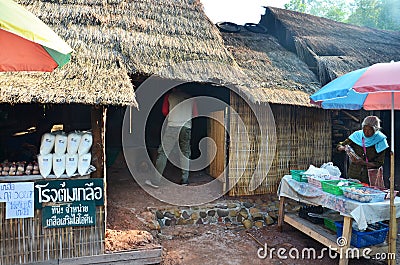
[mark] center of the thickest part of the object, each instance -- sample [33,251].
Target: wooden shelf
[325,236]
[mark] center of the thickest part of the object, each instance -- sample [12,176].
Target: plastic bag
[84,163]
[58,164]
[74,139]
[71,164]
[60,144]
[47,143]
[45,164]
[334,171]
[85,143]
[317,172]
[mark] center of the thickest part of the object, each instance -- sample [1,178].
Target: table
[362,213]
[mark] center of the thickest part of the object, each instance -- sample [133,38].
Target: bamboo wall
[303,137]
[26,241]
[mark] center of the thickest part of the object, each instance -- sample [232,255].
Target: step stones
[253,213]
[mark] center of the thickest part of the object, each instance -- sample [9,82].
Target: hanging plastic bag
[45,164]
[60,144]
[84,163]
[58,164]
[47,143]
[317,172]
[86,143]
[71,164]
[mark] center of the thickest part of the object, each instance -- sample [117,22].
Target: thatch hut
[117,44]
[331,49]
[285,83]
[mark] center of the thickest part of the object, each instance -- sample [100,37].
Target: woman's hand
[341,148]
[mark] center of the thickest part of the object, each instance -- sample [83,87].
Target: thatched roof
[331,48]
[114,40]
[280,76]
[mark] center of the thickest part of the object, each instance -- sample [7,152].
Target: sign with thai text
[19,199]
[69,191]
[69,214]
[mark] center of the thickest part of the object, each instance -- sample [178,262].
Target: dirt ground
[127,228]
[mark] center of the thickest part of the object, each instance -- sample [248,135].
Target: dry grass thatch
[279,75]
[113,40]
[331,48]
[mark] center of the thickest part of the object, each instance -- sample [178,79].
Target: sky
[238,11]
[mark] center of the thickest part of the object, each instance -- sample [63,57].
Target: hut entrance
[209,123]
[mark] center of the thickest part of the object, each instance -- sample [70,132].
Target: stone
[257,217]
[194,216]
[169,215]
[259,224]
[273,214]
[154,226]
[159,215]
[222,212]
[244,213]
[233,213]
[240,218]
[203,214]
[167,222]
[199,222]
[181,221]
[268,220]
[211,212]
[185,215]
[247,224]
[254,210]
[227,220]
[177,213]
[248,204]
[232,205]
[222,206]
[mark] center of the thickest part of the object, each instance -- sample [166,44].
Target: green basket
[298,175]
[330,224]
[331,187]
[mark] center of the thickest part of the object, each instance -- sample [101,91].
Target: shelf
[325,236]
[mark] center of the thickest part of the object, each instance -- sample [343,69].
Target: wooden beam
[351,116]
[97,124]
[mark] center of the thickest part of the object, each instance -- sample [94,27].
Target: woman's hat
[372,121]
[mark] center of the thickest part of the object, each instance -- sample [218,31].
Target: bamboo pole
[393,221]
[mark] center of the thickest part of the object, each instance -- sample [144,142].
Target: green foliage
[381,14]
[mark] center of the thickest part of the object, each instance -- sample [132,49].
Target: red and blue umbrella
[26,43]
[376,87]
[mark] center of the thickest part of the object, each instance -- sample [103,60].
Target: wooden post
[346,235]
[281,213]
[98,143]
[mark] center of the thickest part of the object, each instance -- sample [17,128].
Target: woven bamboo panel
[26,241]
[249,149]
[303,137]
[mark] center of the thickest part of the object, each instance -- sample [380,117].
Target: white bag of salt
[47,143]
[58,164]
[60,145]
[45,164]
[73,142]
[84,163]
[85,143]
[71,164]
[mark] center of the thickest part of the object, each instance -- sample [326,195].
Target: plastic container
[298,175]
[330,224]
[304,210]
[374,235]
[364,194]
[331,186]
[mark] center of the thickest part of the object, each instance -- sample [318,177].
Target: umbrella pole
[393,221]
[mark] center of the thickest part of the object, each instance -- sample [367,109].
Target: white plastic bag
[47,143]
[71,164]
[45,164]
[60,145]
[74,139]
[317,172]
[84,163]
[58,164]
[334,171]
[85,143]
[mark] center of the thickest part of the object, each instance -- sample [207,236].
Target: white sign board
[19,199]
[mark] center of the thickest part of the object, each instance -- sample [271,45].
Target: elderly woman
[370,145]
